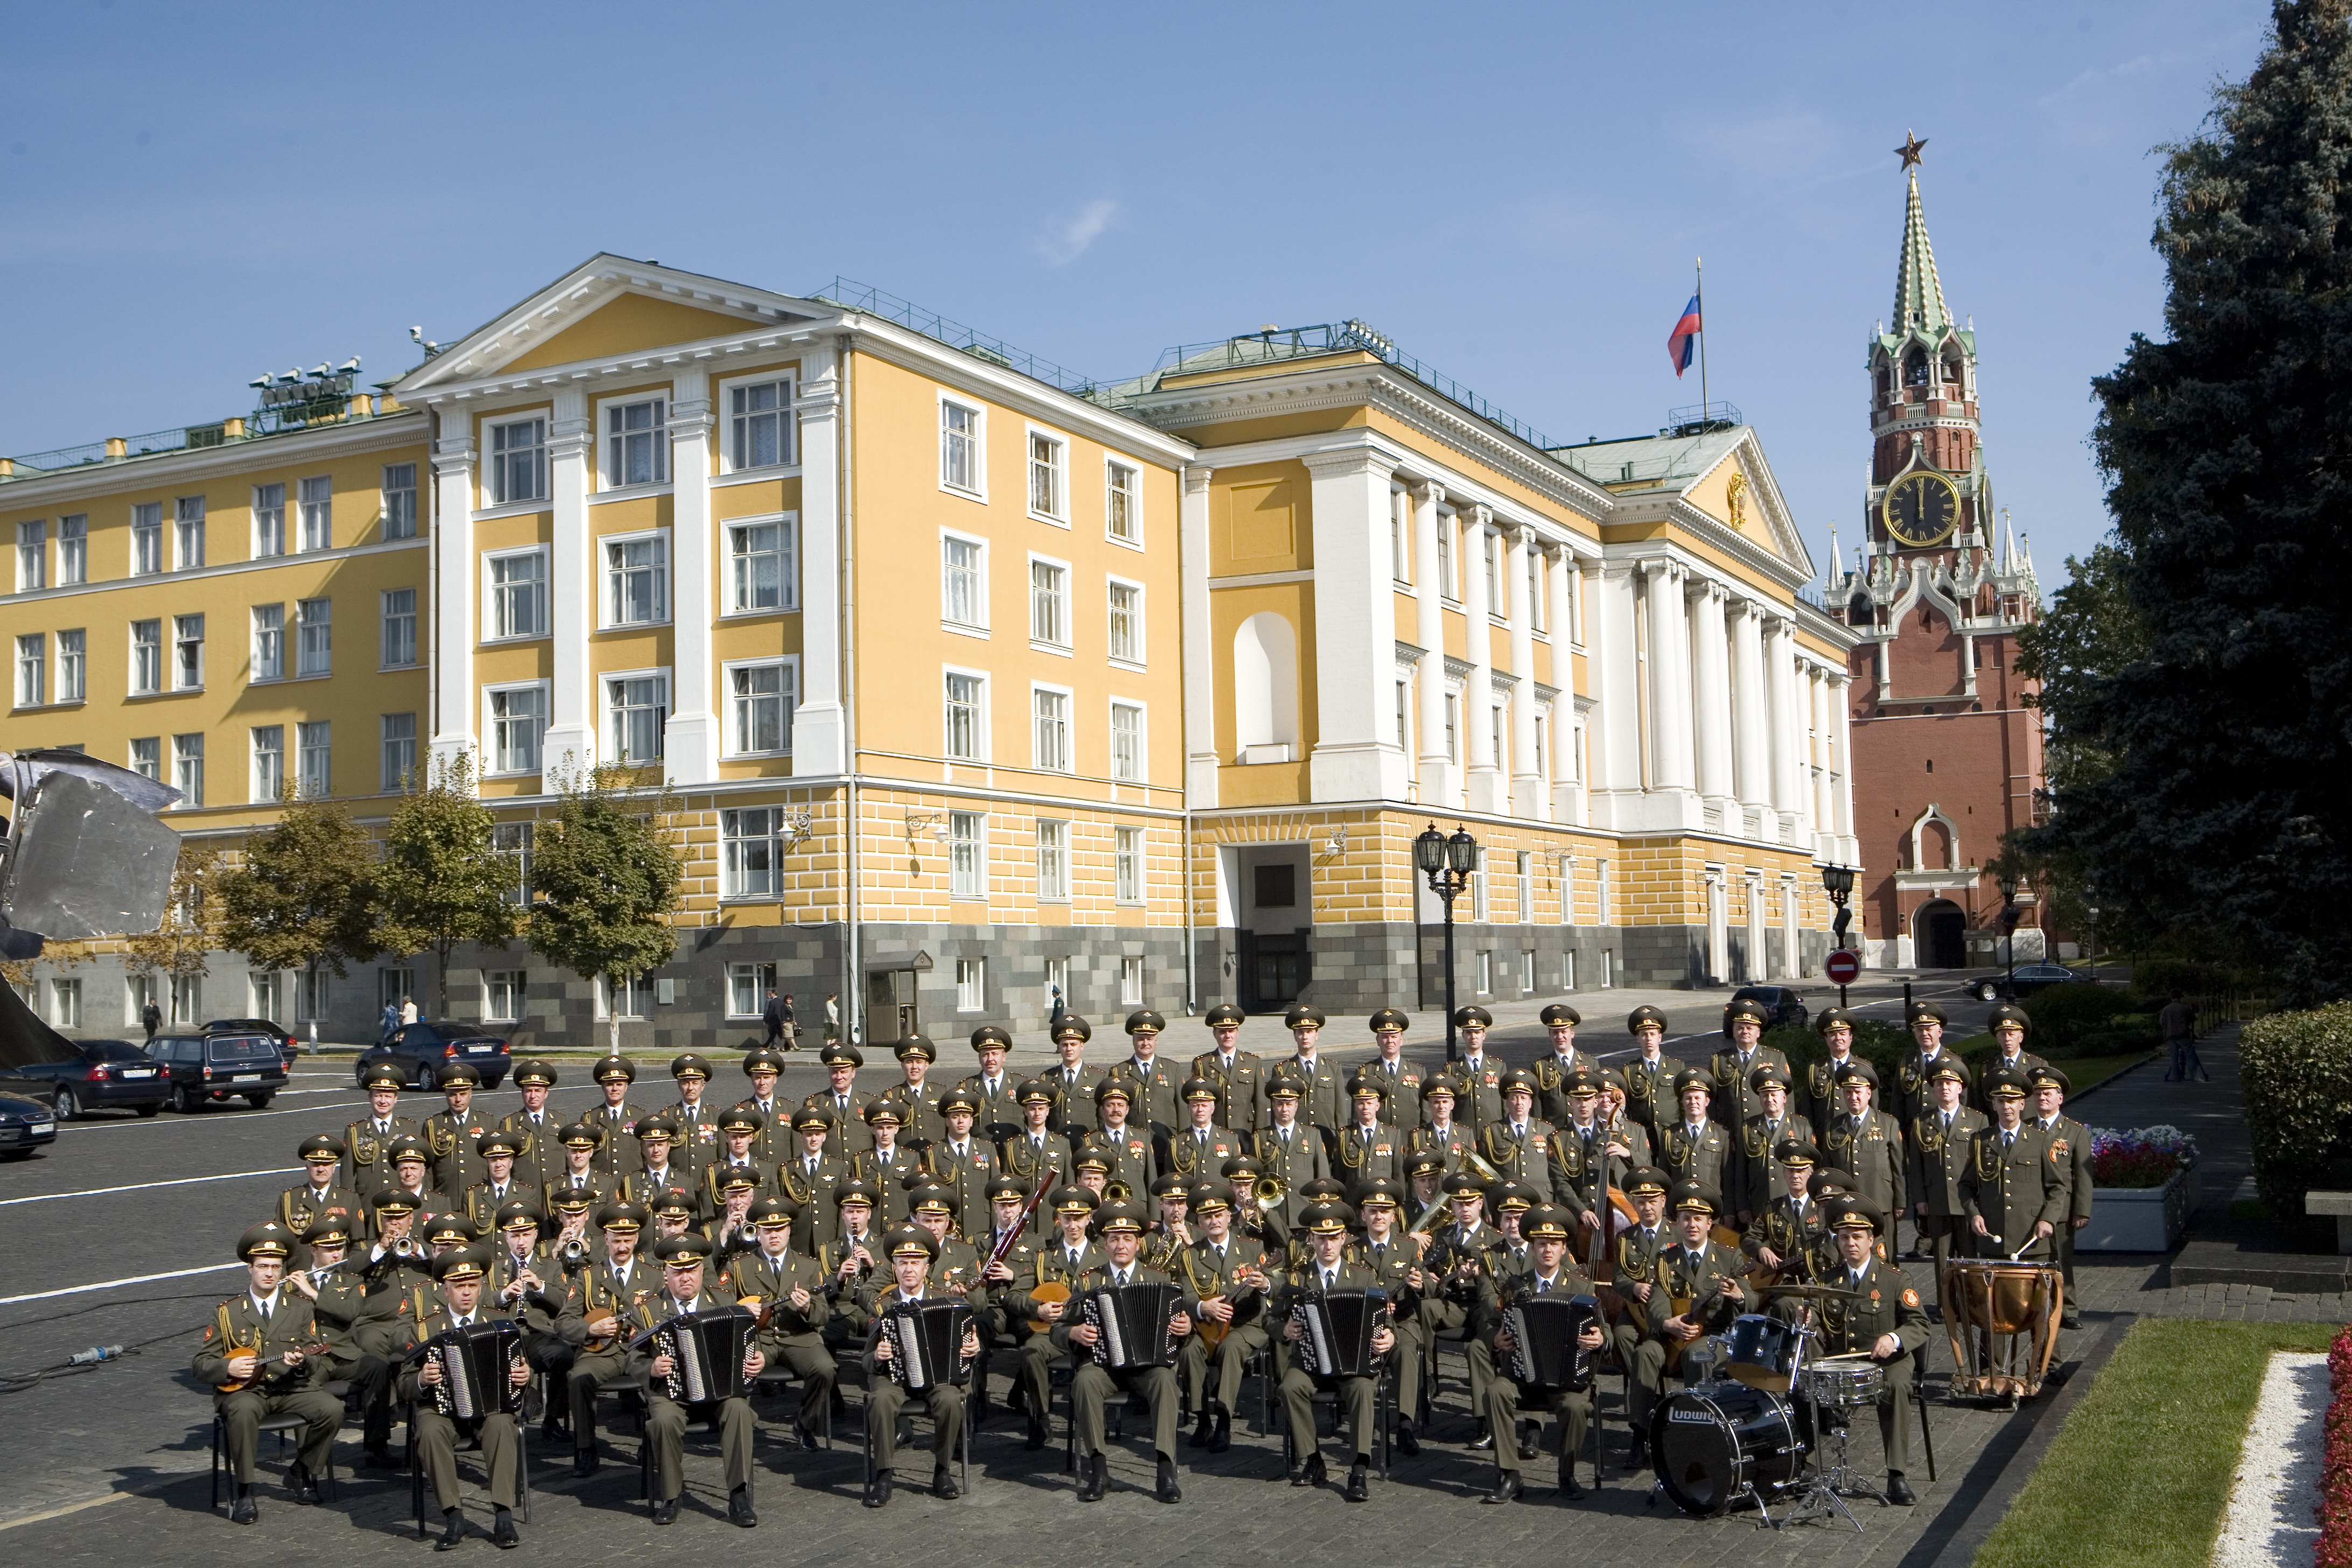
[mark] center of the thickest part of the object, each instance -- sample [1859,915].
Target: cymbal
[1816,1293]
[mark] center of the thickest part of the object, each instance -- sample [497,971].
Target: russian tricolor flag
[1682,343]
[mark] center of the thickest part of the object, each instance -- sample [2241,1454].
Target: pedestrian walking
[2178,1022]
[390,1021]
[832,1017]
[152,1017]
[791,1024]
[772,1016]
[407,1011]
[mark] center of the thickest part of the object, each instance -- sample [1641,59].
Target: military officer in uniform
[1548,1228]
[1733,1067]
[961,1162]
[454,1135]
[366,1171]
[1790,1239]
[956,1265]
[1477,1076]
[1587,1161]
[1401,1074]
[1937,1151]
[1119,1228]
[615,1118]
[1869,1144]
[740,1130]
[1622,1128]
[1695,1147]
[459,1272]
[695,1115]
[1446,1282]
[499,1148]
[1037,1153]
[997,1114]
[812,1175]
[1439,1134]
[763,1066]
[1321,1105]
[856,1252]
[530,1283]
[841,1097]
[685,1290]
[890,1165]
[579,1142]
[1369,1147]
[1516,1143]
[2015,1191]
[1120,1140]
[320,1197]
[537,1155]
[1695,1291]
[1072,1079]
[1635,1259]
[1239,1075]
[2070,1147]
[1390,1255]
[1055,1266]
[395,1263]
[1909,1093]
[1226,1276]
[658,1140]
[1328,1270]
[1823,1099]
[1759,1178]
[1650,1076]
[339,1304]
[1196,1151]
[917,1098]
[912,1249]
[604,1300]
[1882,1320]
[1290,1152]
[409,1165]
[1157,1107]
[2009,1024]
[1552,1067]
[784,1285]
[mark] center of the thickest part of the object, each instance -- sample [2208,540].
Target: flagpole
[1698,271]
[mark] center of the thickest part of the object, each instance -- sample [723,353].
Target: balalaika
[927,1343]
[705,1352]
[1547,1334]
[1131,1324]
[476,1368]
[1337,1328]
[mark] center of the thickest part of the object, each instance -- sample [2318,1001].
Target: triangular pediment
[1739,490]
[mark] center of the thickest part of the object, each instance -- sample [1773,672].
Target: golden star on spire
[1909,151]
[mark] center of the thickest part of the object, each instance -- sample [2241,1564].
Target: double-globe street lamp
[1448,863]
[1837,881]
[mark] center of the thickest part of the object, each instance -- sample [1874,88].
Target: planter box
[2141,1220]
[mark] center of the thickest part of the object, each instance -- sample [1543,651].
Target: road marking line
[144,1187]
[67,1509]
[113,1284]
[176,1119]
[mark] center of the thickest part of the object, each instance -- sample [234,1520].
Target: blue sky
[197,194]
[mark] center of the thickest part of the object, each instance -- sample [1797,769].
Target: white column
[690,739]
[1786,732]
[1614,753]
[1441,782]
[1528,795]
[1711,692]
[1841,765]
[573,582]
[1486,783]
[1200,655]
[1811,778]
[456,708]
[1356,755]
[820,724]
[1670,679]
[1568,800]
[1753,716]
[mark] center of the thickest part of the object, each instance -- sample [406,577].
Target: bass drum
[1718,1443]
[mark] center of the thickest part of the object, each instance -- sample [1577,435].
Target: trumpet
[572,1255]
[1268,1192]
[1117,1192]
[1485,1173]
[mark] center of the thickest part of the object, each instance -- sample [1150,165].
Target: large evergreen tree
[2219,816]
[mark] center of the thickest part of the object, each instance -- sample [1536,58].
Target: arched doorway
[1940,934]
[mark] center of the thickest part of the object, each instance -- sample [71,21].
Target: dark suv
[209,1067]
[99,1075]
[286,1045]
[419,1052]
[1781,1005]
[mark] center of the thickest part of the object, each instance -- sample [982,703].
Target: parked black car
[208,1066]
[419,1052]
[2031,977]
[1781,1005]
[100,1075]
[25,1125]
[287,1048]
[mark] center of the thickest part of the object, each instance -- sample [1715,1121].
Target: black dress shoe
[1505,1489]
[1036,1438]
[584,1462]
[1898,1490]
[943,1485]
[906,1431]
[877,1491]
[1638,1457]
[453,1530]
[1312,1473]
[1201,1430]
[550,1429]
[666,1511]
[1567,1486]
[1484,1441]
[378,1457]
[1407,1444]
[1528,1436]
[1168,1491]
[300,1484]
[244,1509]
[1094,1474]
[738,1508]
[502,1531]
[1222,1438]
[1360,1484]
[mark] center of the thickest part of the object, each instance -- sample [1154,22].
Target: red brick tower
[1946,757]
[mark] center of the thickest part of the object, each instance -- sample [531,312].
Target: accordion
[1131,1324]
[1545,1331]
[476,1362]
[927,1343]
[1337,1341]
[705,1352]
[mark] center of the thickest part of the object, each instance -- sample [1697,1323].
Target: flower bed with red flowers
[2335,1546]
[2141,1157]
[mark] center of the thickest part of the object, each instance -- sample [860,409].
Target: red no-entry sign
[1842,967]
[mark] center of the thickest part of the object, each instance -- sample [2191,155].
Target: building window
[1481,905]
[399,628]
[1568,892]
[502,994]
[146,658]
[1543,727]
[519,461]
[1048,483]
[1126,743]
[636,443]
[1049,604]
[73,550]
[1528,972]
[32,670]
[188,531]
[312,994]
[972,985]
[1399,537]
[268,642]
[1490,557]
[1127,861]
[147,757]
[314,636]
[752,861]
[1567,971]
[514,840]
[65,1003]
[146,538]
[1127,622]
[1500,719]
[966,716]
[398,735]
[967,855]
[963,591]
[32,555]
[637,578]
[1057,981]
[760,699]
[762,573]
[268,520]
[187,995]
[1601,897]
[519,594]
[1446,586]
[187,653]
[1482,972]
[1130,982]
[1123,502]
[639,709]
[1053,861]
[314,743]
[625,999]
[762,433]
[269,763]
[188,768]
[1049,712]
[1403,721]
[518,719]
[1608,967]
[72,683]
[400,501]
[748,985]
[960,464]
[316,498]
[1535,591]
[1452,737]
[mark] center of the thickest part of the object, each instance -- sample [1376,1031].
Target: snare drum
[1713,1445]
[1843,1381]
[1763,1350]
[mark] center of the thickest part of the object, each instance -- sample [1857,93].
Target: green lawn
[2087,1071]
[2142,1469]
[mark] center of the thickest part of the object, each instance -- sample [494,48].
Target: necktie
[2007,1139]
[266,1306]
[1327,1282]
[1122,1278]
[1543,1286]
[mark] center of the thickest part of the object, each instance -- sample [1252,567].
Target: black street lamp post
[1838,882]
[1447,862]
[2009,926]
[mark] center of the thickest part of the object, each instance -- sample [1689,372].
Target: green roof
[1918,292]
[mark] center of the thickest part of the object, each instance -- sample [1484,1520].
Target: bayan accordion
[1131,1324]
[927,1343]
[476,1364]
[705,1352]
[1544,1335]
[1337,1341]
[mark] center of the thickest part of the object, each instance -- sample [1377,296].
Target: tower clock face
[1921,509]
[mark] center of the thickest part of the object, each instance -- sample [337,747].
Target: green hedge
[1882,1044]
[2296,1071]
[2063,1015]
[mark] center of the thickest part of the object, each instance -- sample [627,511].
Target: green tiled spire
[1918,292]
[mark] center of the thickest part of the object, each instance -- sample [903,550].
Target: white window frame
[980,751]
[318,514]
[33,670]
[187,533]
[73,549]
[1127,851]
[188,768]
[607,599]
[1400,538]
[1040,757]
[1143,760]
[266,652]
[978,627]
[146,538]
[494,594]
[972,985]
[147,657]
[1053,469]
[787,698]
[515,841]
[748,985]
[1064,645]
[389,617]
[787,525]
[146,754]
[399,517]
[493,763]
[606,693]
[968,854]
[735,878]
[1449,566]
[303,626]
[1482,972]
[73,665]
[1600,896]
[788,424]
[65,1003]
[504,992]
[1568,899]
[1524,868]
[1113,467]
[1481,884]
[314,743]
[33,555]
[1139,625]
[609,479]
[1131,980]
[269,769]
[499,466]
[978,490]
[390,779]
[187,632]
[268,521]
[1053,863]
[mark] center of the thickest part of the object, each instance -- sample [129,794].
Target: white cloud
[1066,238]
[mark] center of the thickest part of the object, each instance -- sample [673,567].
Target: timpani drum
[2003,1321]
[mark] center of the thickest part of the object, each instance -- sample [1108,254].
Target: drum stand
[1829,1479]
